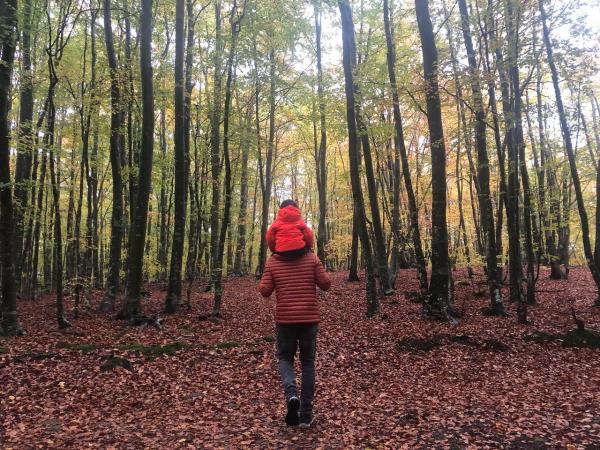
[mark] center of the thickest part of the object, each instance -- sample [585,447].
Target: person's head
[288,203]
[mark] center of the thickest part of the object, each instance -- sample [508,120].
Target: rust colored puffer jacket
[295,282]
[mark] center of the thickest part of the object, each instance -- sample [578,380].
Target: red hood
[289,214]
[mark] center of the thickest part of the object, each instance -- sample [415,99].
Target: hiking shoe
[306,420]
[291,418]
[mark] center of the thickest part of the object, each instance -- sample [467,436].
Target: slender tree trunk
[239,267]
[268,170]
[174,289]
[552,218]
[215,147]
[321,156]
[33,281]
[9,325]
[353,269]
[437,304]
[194,216]
[566,133]
[349,62]
[137,235]
[116,231]
[486,210]
[25,143]
[489,30]
[400,150]
[235,20]
[162,245]
[519,144]
[512,197]
[380,251]
[57,247]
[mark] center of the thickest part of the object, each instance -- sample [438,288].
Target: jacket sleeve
[267,285]
[309,236]
[322,278]
[271,237]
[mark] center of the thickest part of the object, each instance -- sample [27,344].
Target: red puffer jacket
[295,282]
[289,232]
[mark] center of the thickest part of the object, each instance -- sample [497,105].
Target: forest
[446,154]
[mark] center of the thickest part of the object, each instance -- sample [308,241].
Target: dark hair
[288,203]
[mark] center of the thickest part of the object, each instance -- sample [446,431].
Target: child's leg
[287,343]
[308,348]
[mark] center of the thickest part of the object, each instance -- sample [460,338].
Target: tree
[235,21]
[25,144]
[137,235]
[181,166]
[349,62]
[267,180]
[483,170]
[400,150]
[215,147]
[321,150]
[55,51]
[437,304]
[566,134]
[8,29]
[116,122]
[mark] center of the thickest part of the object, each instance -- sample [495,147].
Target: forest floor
[396,380]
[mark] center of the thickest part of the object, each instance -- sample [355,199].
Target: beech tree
[8,30]
[437,304]
[137,237]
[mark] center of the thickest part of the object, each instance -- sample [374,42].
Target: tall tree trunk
[137,235]
[162,245]
[552,217]
[349,62]
[566,133]
[37,221]
[380,251]
[84,171]
[512,190]
[9,325]
[268,169]
[25,144]
[486,210]
[174,288]
[321,156]
[57,243]
[215,146]
[489,31]
[400,150]
[239,267]
[353,269]
[235,20]
[461,215]
[437,304]
[116,121]
[193,187]
[513,18]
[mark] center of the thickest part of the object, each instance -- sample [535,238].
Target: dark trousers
[289,338]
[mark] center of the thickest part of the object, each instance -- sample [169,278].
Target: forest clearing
[484,385]
[405,193]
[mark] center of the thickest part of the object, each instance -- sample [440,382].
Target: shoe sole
[291,418]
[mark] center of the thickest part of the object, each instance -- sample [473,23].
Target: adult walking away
[297,316]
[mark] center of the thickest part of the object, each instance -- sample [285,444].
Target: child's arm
[271,237]
[322,278]
[267,284]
